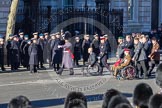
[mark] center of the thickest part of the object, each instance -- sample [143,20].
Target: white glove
[89,66]
[59,46]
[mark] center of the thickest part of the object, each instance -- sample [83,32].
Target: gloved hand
[89,66]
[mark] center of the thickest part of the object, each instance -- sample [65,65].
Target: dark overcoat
[33,53]
[77,50]
[26,55]
[120,50]
[56,52]
[103,54]
[23,43]
[140,53]
[85,45]
[130,46]
[40,49]
[46,51]
[1,54]
[95,45]
[15,53]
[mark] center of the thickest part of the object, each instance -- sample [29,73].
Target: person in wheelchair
[92,58]
[125,62]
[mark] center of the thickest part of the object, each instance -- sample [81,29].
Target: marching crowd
[60,51]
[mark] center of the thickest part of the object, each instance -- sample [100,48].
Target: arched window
[130,9]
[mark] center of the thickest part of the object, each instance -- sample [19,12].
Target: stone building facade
[139,15]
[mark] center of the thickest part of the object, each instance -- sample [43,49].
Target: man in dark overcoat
[56,52]
[2,53]
[8,47]
[103,55]
[95,44]
[26,54]
[85,45]
[120,48]
[23,43]
[15,53]
[40,50]
[77,51]
[46,50]
[33,54]
[128,43]
[141,57]
[21,38]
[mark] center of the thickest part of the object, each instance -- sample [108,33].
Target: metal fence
[47,18]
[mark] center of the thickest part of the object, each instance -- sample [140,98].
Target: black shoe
[140,77]
[71,72]
[59,72]
[145,77]
[3,69]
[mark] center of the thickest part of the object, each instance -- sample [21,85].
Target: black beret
[155,101]
[76,103]
[123,105]
[116,100]
[142,94]
[108,95]
[20,101]
[75,95]
[67,35]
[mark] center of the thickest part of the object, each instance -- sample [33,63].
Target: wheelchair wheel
[128,73]
[93,70]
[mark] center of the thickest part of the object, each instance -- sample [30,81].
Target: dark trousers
[2,66]
[56,66]
[8,59]
[76,61]
[142,68]
[152,64]
[15,66]
[40,63]
[33,68]
[103,63]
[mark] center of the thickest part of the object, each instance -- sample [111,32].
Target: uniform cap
[41,34]
[26,36]
[35,33]
[126,49]
[102,38]
[120,37]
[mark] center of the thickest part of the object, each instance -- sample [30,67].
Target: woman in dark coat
[33,54]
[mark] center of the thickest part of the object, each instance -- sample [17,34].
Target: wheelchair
[92,71]
[128,72]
